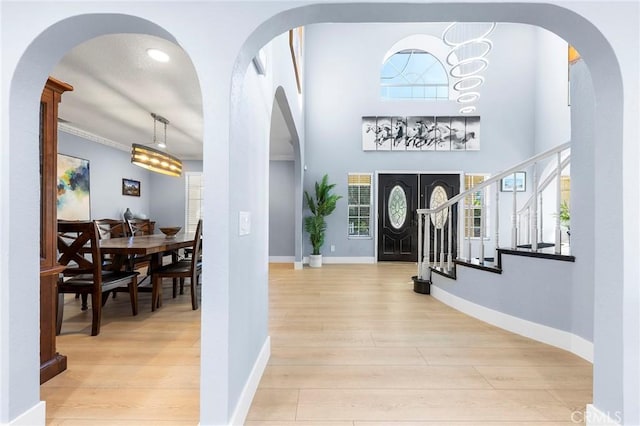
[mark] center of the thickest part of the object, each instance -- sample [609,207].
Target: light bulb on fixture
[158,55]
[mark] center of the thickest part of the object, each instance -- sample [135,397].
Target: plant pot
[315,260]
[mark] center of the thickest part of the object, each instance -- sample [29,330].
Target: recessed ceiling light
[158,55]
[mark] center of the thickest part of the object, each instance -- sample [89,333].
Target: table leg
[156,262]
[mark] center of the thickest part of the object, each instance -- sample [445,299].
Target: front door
[397,225]
[399,196]
[434,190]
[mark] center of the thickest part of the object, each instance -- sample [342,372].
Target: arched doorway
[31,72]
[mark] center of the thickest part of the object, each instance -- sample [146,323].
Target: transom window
[413,74]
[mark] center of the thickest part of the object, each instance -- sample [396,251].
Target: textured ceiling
[117,86]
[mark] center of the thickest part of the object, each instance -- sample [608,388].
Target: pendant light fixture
[154,159]
[469,46]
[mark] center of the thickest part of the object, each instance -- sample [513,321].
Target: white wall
[552,112]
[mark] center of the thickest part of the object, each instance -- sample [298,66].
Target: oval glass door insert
[439,197]
[397,206]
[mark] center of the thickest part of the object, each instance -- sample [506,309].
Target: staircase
[528,228]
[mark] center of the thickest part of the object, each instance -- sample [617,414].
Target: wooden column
[51,362]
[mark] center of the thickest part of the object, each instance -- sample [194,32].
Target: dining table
[155,246]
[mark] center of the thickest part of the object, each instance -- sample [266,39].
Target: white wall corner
[251,386]
[595,417]
[542,333]
[298,265]
[36,415]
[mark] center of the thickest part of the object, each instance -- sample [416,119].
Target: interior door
[434,190]
[397,224]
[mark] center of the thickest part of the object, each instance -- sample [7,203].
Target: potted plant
[321,206]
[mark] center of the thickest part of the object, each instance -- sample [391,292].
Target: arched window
[413,74]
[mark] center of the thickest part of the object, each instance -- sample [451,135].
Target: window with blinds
[473,207]
[194,191]
[360,200]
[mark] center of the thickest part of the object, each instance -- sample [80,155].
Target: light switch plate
[244,223]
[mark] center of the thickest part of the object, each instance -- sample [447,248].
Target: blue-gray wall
[528,288]
[281,208]
[338,65]
[107,167]
[162,198]
[168,196]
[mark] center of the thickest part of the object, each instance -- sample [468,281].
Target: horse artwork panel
[421,133]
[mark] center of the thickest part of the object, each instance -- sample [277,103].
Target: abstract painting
[73,188]
[421,133]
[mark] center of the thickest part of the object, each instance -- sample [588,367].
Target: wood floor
[350,345]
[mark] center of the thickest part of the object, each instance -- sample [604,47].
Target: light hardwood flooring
[350,345]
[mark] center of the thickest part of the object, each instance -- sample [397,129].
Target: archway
[31,72]
[609,384]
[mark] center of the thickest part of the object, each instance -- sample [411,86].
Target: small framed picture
[130,187]
[519,179]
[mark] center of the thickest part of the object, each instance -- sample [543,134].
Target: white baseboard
[36,415]
[542,333]
[343,260]
[282,259]
[595,417]
[248,392]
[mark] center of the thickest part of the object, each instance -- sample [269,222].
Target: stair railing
[524,213]
[426,217]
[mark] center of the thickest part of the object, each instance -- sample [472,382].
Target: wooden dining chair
[79,252]
[187,268]
[136,227]
[110,228]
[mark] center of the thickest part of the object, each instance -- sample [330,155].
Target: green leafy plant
[565,214]
[321,206]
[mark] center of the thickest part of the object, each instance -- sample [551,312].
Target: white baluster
[483,205]
[541,215]
[534,210]
[497,230]
[435,242]
[514,222]
[427,240]
[527,227]
[558,247]
[420,243]
[442,216]
[468,224]
[450,237]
